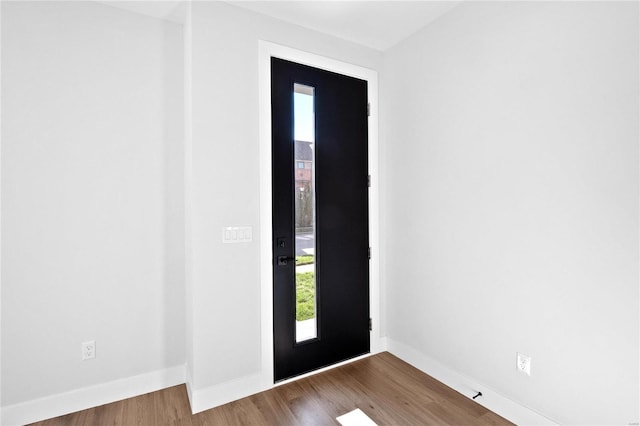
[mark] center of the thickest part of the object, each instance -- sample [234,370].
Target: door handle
[284,260]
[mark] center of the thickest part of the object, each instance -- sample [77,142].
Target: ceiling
[169,10]
[375,24]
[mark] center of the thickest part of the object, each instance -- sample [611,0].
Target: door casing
[266,51]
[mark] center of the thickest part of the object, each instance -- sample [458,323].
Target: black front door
[320,218]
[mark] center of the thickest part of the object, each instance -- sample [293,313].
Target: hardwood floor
[388,390]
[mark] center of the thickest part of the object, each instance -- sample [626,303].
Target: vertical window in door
[305,216]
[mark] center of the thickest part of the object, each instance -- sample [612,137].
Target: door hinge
[369,253]
[369,181]
[368,109]
[370,325]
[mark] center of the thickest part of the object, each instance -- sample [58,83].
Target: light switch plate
[237,234]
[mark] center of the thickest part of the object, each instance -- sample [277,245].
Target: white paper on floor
[355,418]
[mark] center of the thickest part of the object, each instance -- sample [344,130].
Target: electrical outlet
[523,363]
[88,350]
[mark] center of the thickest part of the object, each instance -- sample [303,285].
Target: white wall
[510,158]
[225,183]
[510,194]
[92,190]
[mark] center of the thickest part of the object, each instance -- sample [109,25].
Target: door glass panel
[304,195]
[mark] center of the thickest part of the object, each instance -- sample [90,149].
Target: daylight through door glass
[305,216]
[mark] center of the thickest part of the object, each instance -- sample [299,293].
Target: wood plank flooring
[385,388]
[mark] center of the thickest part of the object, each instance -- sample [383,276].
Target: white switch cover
[237,234]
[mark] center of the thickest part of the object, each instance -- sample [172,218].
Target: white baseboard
[492,400]
[92,396]
[213,396]
[188,380]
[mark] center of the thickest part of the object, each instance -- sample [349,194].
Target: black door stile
[341,222]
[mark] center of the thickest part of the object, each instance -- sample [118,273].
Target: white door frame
[266,51]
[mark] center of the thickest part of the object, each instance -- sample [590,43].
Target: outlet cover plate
[88,350]
[523,363]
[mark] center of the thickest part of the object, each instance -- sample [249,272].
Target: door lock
[284,260]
